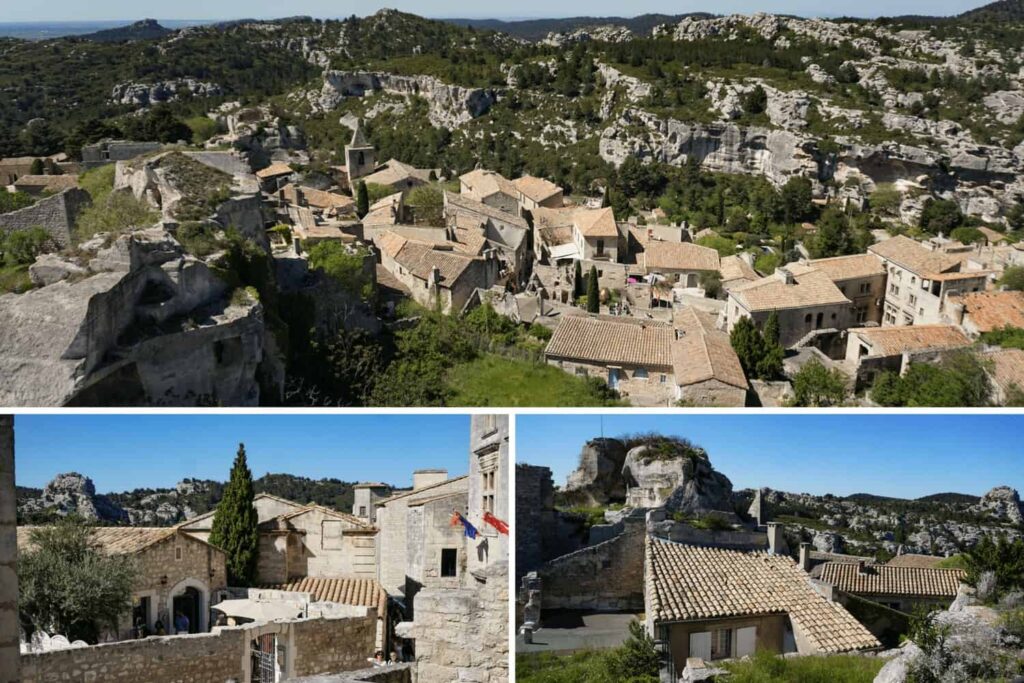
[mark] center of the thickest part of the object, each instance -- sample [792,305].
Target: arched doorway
[191,598]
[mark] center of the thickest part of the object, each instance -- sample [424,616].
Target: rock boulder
[597,479]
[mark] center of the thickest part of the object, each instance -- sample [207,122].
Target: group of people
[182,626]
[378,659]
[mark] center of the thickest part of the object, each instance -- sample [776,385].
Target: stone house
[707,370]
[328,204]
[873,350]
[275,176]
[177,572]
[631,355]
[488,489]
[298,540]
[898,587]
[383,215]
[595,234]
[805,299]
[736,270]
[401,177]
[418,544]
[980,312]
[367,496]
[715,603]
[681,262]
[108,151]
[437,277]
[491,188]
[920,279]
[12,168]
[45,184]
[861,278]
[474,222]
[536,192]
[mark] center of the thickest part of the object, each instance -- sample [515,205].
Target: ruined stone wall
[534,512]
[462,634]
[647,391]
[56,215]
[333,645]
[713,393]
[9,669]
[606,576]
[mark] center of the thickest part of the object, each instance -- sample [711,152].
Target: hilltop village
[393,575]
[830,215]
[647,553]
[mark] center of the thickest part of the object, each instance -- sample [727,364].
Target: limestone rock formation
[450,105]
[607,33]
[75,494]
[598,478]
[677,476]
[1003,503]
[147,94]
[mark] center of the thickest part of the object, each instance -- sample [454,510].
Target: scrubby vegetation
[765,667]
[959,379]
[111,212]
[635,661]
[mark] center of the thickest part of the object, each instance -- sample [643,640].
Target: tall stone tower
[9,648]
[360,156]
[488,487]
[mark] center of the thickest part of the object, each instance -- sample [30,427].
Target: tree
[577,283]
[967,235]
[796,200]
[36,167]
[23,246]
[816,386]
[345,265]
[940,215]
[593,292]
[755,101]
[362,199]
[1002,557]
[637,660]
[69,586]
[833,238]
[748,344]
[958,380]
[1015,216]
[711,282]
[1013,278]
[772,332]
[235,526]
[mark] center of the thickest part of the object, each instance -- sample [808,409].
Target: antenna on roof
[601,417]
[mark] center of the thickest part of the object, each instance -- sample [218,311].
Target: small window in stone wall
[449,561]
[177,554]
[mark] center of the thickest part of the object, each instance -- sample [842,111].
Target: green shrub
[203,128]
[344,265]
[116,213]
[12,201]
[765,667]
[958,380]
[21,247]
[199,239]
[816,386]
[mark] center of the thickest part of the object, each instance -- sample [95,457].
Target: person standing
[181,624]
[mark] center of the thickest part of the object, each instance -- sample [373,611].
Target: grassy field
[496,381]
[767,668]
[14,279]
[581,667]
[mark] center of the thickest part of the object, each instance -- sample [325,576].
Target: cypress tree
[235,524]
[362,199]
[577,285]
[593,292]
[772,333]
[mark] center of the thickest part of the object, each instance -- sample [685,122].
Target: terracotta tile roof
[848,267]
[344,516]
[992,310]
[394,172]
[595,222]
[320,199]
[274,170]
[915,560]
[470,241]
[703,352]
[53,183]
[543,217]
[457,203]
[537,189]
[660,255]
[344,591]
[993,236]
[884,579]
[893,341]
[607,342]
[384,211]
[119,540]
[1007,368]
[483,183]
[420,259]
[810,287]
[915,257]
[691,583]
[735,268]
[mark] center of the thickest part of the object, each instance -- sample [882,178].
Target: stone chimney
[776,541]
[785,275]
[862,567]
[423,478]
[805,557]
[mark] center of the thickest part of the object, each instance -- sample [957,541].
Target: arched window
[821,318]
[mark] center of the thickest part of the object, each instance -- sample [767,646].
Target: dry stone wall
[333,645]
[56,215]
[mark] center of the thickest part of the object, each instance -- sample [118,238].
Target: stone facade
[310,646]
[9,650]
[56,215]
[108,151]
[647,386]
[365,500]
[316,542]
[911,299]
[712,393]
[462,634]
[534,514]
[488,487]
[606,576]
[794,323]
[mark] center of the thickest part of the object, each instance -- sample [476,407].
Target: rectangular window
[362,510]
[177,554]
[449,562]
[721,643]
[865,288]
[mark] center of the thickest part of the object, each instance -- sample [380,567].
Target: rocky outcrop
[74,494]
[678,477]
[148,94]
[608,33]
[1003,503]
[597,480]
[450,105]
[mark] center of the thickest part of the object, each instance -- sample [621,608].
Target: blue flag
[469,528]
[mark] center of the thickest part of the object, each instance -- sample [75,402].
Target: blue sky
[79,10]
[901,455]
[123,452]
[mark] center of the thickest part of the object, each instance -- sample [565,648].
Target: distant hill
[954,498]
[869,498]
[147,29]
[538,29]
[1001,11]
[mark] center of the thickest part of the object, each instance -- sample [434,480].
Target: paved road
[570,630]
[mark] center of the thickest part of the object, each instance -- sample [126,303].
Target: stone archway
[197,592]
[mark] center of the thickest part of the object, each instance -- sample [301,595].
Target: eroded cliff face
[450,105]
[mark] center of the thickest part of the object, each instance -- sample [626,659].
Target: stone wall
[430,532]
[9,670]
[606,576]
[312,646]
[657,389]
[56,215]
[714,394]
[462,634]
[534,512]
[488,487]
